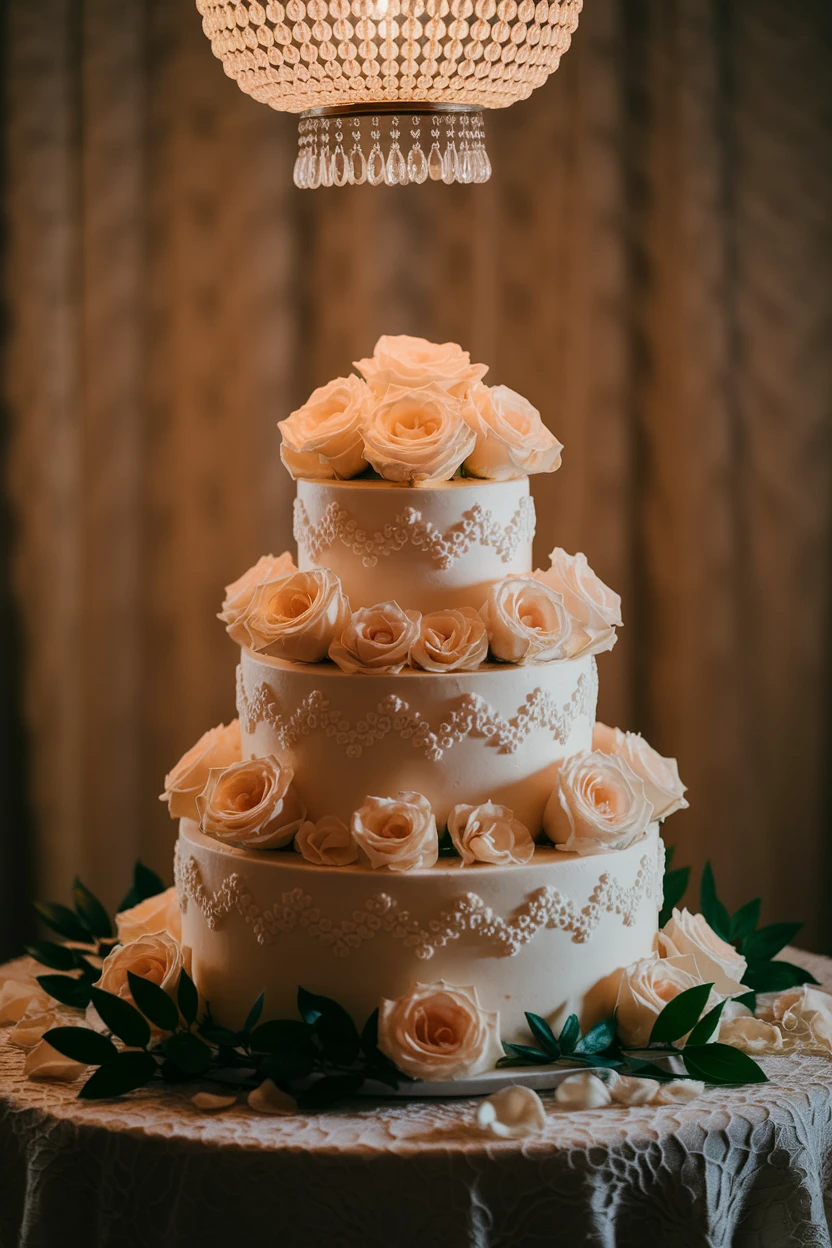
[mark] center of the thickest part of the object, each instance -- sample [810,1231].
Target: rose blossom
[718,962]
[323,439]
[376,639]
[397,832]
[399,360]
[660,776]
[593,606]
[526,621]
[240,593]
[645,989]
[218,747]
[803,1016]
[297,617]
[157,957]
[327,843]
[155,914]
[252,804]
[417,435]
[437,1031]
[450,641]
[512,440]
[489,833]
[598,803]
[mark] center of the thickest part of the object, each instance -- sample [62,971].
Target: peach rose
[156,956]
[660,776]
[646,988]
[718,962]
[376,639]
[155,914]
[450,641]
[437,1032]
[327,843]
[526,622]
[218,747]
[512,440]
[489,833]
[297,617]
[594,607]
[240,593]
[323,439]
[252,804]
[598,804]
[399,360]
[397,832]
[417,435]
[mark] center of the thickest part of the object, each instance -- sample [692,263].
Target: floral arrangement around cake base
[120,999]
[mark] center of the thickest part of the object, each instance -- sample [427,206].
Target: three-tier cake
[416,798]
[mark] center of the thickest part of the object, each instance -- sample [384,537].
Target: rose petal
[210,1101]
[512,1113]
[582,1091]
[15,998]
[44,1062]
[631,1090]
[679,1092]
[269,1099]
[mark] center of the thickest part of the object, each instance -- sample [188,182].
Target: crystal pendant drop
[395,173]
[417,166]
[340,167]
[313,176]
[326,167]
[486,165]
[358,167]
[299,173]
[435,163]
[375,166]
[465,166]
[449,164]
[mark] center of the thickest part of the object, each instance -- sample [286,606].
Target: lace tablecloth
[741,1167]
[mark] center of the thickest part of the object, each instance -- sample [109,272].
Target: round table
[741,1167]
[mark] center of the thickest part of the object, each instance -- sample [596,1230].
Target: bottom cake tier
[550,937]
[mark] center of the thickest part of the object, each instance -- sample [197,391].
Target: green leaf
[124,1073]
[544,1035]
[329,1090]
[570,1035]
[90,910]
[765,944]
[282,1035]
[597,1059]
[333,1026]
[598,1038]
[447,849]
[187,997]
[775,976]
[81,1044]
[63,921]
[59,957]
[680,1015]
[122,1018]
[669,853]
[218,1035]
[674,887]
[287,1066]
[749,999]
[649,1070]
[745,920]
[706,1026]
[254,1014]
[710,905]
[369,1037]
[187,1052]
[146,883]
[69,991]
[154,1002]
[720,1063]
[530,1056]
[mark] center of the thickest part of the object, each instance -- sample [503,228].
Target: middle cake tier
[496,734]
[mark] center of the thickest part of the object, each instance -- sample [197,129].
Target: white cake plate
[540,1078]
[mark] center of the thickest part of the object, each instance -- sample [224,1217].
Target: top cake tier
[427,549]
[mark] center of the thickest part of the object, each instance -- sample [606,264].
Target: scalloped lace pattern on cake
[477,527]
[472,717]
[468,915]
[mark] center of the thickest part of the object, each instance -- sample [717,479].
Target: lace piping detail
[477,527]
[467,916]
[472,717]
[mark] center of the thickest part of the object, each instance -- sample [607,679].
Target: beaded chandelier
[389,91]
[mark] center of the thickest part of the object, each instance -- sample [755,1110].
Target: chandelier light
[389,91]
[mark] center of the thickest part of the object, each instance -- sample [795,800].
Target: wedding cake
[415,809]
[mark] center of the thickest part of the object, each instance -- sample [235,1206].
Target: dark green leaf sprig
[701,1058]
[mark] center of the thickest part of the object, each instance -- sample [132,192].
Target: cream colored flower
[438,1031]
[252,804]
[512,1113]
[660,776]
[157,957]
[527,622]
[718,962]
[804,1017]
[17,995]
[268,1098]
[376,639]
[417,436]
[489,833]
[44,1062]
[592,605]
[327,843]
[240,593]
[397,832]
[645,989]
[323,439]
[512,440]
[582,1091]
[399,360]
[297,617]
[597,804]
[450,641]
[751,1035]
[218,747]
[155,914]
